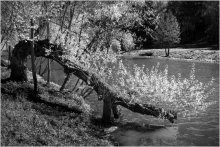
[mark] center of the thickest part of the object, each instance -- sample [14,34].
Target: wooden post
[48,61]
[33,56]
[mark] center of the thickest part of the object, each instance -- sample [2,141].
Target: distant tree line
[189,22]
[194,21]
[199,20]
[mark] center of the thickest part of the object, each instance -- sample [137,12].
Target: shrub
[186,96]
[127,42]
[124,42]
[167,32]
[116,45]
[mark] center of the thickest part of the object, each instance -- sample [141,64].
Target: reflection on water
[148,135]
[200,130]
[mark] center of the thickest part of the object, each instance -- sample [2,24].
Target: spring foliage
[187,96]
[168,30]
[142,85]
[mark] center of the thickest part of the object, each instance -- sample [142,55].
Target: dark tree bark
[19,58]
[107,110]
[87,92]
[18,69]
[9,53]
[110,97]
[19,61]
[167,52]
[65,81]
[48,61]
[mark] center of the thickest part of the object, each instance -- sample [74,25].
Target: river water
[202,130]
[136,129]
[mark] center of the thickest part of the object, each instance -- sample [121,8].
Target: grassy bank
[197,54]
[51,118]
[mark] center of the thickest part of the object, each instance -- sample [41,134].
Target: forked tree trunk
[110,97]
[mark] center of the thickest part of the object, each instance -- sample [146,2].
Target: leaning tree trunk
[109,96]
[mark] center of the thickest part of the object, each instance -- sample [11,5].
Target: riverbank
[52,118]
[194,54]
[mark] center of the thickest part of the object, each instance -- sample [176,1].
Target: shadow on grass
[34,97]
[29,119]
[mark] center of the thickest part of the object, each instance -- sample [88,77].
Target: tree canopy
[167,32]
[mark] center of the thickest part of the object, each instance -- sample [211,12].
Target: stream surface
[202,130]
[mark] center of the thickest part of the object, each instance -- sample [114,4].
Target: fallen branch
[146,109]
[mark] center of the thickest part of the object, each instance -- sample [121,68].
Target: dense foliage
[140,84]
[199,20]
[167,32]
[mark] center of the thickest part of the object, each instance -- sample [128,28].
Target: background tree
[141,22]
[202,26]
[211,16]
[16,15]
[167,33]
